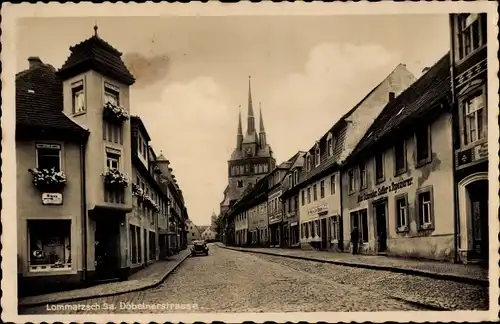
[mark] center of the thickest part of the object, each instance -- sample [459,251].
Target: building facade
[76,121]
[277,235]
[468,57]
[251,160]
[392,180]
[193,232]
[320,211]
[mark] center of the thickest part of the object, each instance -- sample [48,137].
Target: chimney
[34,61]
[425,70]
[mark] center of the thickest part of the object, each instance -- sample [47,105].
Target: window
[362,175]
[317,155]
[48,157]
[322,189]
[111,94]
[472,33]
[315,192]
[392,95]
[296,176]
[239,183]
[335,228]
[475,117]
[309,195]
[303,197]
[379,167]
[351,180]
[400,157]
[332,184]
[78,96]
[329,146]
[425,208]
[112,161]
[308,162]
[296,202]
[290,180]
[49,245]
[359,219]
[402,213]
[423,138]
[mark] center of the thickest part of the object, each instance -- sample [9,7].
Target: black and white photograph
[250,162]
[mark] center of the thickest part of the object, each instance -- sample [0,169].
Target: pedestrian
[355,240]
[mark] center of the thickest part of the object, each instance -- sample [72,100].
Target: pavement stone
[442,270]
[153,275]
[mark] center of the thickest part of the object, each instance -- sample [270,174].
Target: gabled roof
[417,100]
[137,124]
[96,54]
[39,101]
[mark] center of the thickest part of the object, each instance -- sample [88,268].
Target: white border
[12,12]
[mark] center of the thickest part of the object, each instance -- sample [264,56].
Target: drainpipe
[341,220]
[84,210]
[456,218]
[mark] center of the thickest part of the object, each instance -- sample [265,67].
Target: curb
[409,271]
[68,299]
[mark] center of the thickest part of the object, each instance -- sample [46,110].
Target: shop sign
[318,209]
[385,189]
[481,151]
[52,198]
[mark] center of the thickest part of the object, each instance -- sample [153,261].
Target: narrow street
[231,281]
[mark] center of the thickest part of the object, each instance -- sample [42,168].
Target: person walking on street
[355,240]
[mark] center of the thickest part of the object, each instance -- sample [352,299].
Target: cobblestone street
[231,281]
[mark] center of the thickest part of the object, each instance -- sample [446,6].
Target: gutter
[456,218]
[83,178]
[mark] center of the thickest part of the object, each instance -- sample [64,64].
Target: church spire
[239,137]
[262,131]
[251,118]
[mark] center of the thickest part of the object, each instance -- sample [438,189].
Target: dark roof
[39,101]
[417,100]
[137,123]
[255,196]
[96,54]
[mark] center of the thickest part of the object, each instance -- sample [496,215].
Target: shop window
[379,167]
[402,213]
[48,157]
[335,228]
[425,208]
[359,219]
[476,121]
[322,189]
[49,245]
[400,157]
[423,143]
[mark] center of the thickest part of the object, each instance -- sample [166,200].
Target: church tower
[252,158]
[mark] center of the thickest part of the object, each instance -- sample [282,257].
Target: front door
[381,227]
[478,193]
[107,248]
[323,234]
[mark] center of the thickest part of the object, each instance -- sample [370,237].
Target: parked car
[199,247]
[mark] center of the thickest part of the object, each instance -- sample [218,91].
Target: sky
[192,75]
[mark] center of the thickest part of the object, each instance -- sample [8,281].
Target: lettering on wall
[385,189]
[318,209]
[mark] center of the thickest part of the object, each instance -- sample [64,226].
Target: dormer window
[78,95]
[296,176]
[308,162]
[329,144]
[111,94]
[290,180]
[317,155]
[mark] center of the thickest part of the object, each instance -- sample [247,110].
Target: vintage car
[199,247]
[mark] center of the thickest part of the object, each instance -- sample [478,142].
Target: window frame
[428,159]
[423,226]
[117,158]
[322,189]
[464,96]
[362,176]
[351,181]
[315,192]
[309,195]
[333,184]
[400,228]
[111,89]
[78,88]
[317,155]
[303,197]
[381,166]
[48,146]
[402,170]
[461,35]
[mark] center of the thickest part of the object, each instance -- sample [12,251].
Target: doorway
[323,234]
[107,248]
[381,226]
[478,211]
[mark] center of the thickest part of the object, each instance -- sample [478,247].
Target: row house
[291,203]
[468,58]
[74,157]
[318,187]
[392,179]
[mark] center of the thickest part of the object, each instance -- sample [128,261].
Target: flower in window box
[48,180]
[403,228]
[138,192]
[426,226]
[114,112]
[115,178]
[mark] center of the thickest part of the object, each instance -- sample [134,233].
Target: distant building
[193,232]
[208,234]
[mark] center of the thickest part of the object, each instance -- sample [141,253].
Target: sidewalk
[149,277]
[469,273]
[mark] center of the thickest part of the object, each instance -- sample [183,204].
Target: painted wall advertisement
[385,189]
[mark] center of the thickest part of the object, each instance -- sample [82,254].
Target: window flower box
[115,179]
[151,203]
[402,229]
[138,192]
[48,180]
[115,113]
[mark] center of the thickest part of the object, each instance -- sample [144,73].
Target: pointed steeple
[239,136]
[262,131]
[251,118]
